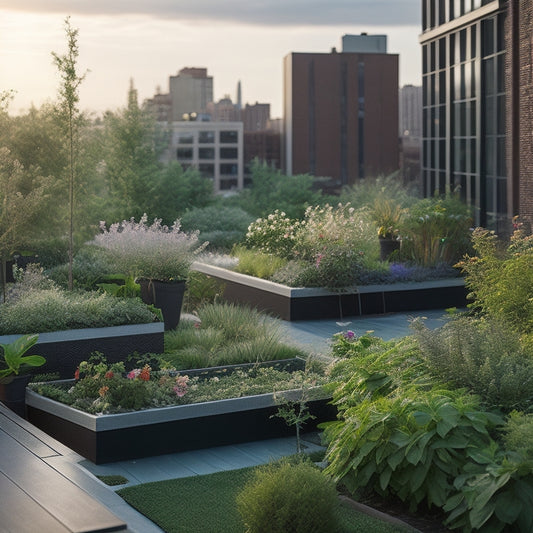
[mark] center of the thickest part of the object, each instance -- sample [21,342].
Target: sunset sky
[149,40]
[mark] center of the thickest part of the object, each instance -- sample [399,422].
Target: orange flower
[145,373]
[103,390]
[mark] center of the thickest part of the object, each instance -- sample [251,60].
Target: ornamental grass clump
[154,252]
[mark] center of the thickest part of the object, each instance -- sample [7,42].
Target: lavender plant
[155,252]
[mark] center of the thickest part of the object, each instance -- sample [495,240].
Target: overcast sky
[149,40]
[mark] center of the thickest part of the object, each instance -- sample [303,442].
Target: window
[184,153]
[229,137]
[206,137]
[228,153]
[206,153]
[227,169]
[207,170]
[185,138]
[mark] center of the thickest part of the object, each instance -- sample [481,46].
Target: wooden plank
[18,512]
[30,436]
[69,504]
[25,438]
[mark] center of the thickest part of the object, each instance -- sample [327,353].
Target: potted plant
[388,214]
[13,365]
[157,256]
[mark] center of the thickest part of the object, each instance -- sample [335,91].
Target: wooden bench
[34,496]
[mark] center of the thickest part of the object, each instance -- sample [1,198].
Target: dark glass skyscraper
[464,104]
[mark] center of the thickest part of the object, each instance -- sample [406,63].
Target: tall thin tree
[69,99]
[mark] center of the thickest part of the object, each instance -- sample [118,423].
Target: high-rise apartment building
[190,92]
[410,132]
[478,105]
[341,114]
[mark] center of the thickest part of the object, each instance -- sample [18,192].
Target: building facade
[477,106]
[214,148]
[341,115]
[190,92]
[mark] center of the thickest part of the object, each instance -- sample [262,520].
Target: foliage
[153,251]
[222,226]
[201,290]
[206,503]
[130,154]
[436,230]
[175,191]
[387,214]
[271,190]
[70,114]
[14,359]
[500,279]
[482,355]
[256,263]
[106,388]
[54,310]
[89,267]
[401,432]
[275,234]
[225,334]
[494,494]
[289,497]
[23,195]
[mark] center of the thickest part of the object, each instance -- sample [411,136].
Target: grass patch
[113,480]
[203,504]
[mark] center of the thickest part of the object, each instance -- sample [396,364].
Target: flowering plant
[154,252]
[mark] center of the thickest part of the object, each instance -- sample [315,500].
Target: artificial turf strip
[206,504]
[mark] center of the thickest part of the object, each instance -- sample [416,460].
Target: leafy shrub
[54,310]
[256,263]
[89,267]
[287,497]
[436,230]
[221,226]
[501,279]
[482,355]
[518,434]
[201,290]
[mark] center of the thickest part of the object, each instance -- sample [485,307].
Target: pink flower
[134,373]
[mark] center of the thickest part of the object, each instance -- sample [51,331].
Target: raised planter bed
[124,436]
[291,303]
[64,350]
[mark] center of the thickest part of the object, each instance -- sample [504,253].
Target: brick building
[341,115]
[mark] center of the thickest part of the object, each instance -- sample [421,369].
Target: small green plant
[285,496]
[256,263]
[14,359]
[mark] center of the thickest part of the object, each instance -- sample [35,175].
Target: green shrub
[484,356]
[201,290]
[436,230]
[89,267]
[54,310]
[221,226]
[500,279]
[256,263]
[285,497]
[518,434]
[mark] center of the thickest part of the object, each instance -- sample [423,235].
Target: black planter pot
[167,296]
[13,393]
[387,247]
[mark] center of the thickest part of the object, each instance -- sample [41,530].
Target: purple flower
[349,335]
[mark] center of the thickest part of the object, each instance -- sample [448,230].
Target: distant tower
[239,96]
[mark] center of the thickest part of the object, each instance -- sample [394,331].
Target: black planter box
[64,350]
[308,303]
[126,436]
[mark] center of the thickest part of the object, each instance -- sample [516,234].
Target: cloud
[266,12]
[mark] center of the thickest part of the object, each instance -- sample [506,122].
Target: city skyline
[148,41]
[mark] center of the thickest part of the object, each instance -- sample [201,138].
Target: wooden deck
[36,496]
